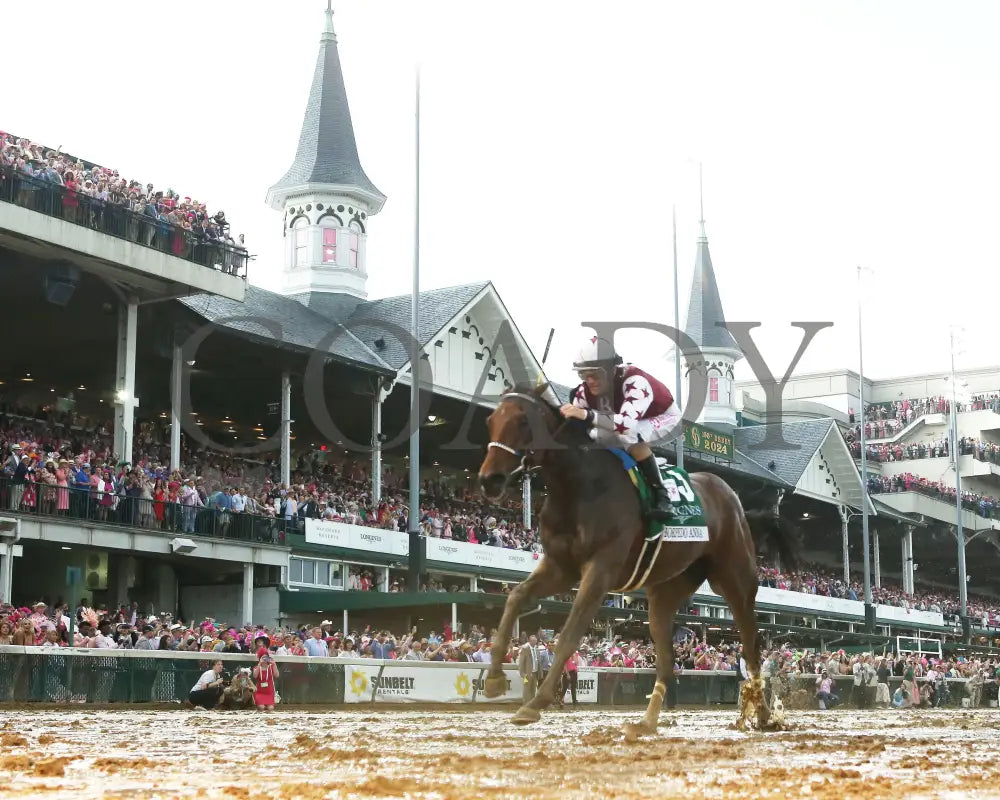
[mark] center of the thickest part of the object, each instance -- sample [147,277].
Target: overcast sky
[557,135]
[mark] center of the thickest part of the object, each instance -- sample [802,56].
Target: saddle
[689,523]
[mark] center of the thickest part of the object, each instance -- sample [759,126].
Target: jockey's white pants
[645,430]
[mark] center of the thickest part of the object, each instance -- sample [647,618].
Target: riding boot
[662,509]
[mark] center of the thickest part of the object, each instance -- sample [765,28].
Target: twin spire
[327,153]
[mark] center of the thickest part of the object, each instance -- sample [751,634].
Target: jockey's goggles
[592,372]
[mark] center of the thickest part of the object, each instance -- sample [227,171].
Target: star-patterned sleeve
[637,397]
[578,398]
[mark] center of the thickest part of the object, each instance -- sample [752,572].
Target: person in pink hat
[263,676]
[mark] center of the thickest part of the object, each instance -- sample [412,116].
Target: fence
[98,676]
[121,222]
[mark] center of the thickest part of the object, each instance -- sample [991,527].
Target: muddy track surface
[445,754]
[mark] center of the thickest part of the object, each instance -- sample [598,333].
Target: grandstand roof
[327,151]
[704,310]
[807,436]
[353,333]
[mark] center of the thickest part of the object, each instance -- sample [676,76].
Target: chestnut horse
[592,531]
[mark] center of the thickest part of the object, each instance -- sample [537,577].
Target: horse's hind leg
[664,600]
[740,593]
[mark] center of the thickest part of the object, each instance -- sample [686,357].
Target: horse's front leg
[596,583]
[546,580]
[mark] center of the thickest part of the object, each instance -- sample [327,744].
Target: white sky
[555,137]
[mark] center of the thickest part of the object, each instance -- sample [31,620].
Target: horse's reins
[524,466]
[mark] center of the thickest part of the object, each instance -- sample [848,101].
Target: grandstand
[217,383]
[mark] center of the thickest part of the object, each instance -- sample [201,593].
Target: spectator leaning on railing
[94,196]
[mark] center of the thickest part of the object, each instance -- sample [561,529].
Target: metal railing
[130,511]
[156,233]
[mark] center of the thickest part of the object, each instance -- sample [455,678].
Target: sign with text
[708,441]
[401,682]
[481,555]
[357,537]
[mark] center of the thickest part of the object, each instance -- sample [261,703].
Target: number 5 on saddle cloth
[689,523]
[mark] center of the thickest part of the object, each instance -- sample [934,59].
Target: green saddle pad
[689,524]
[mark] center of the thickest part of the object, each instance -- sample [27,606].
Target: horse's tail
[773,534]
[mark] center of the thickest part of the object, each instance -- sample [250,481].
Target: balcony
[39,218]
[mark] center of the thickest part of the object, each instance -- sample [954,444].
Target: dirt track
[465,753]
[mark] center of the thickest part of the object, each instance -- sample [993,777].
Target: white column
[846,544]
[377,444]
[345,625]
[7,572]
[526,501]
[176,367]
[125,399]
[246,604]
[909,585]
[877,562]
[286,428]
[454,619]
[474,583]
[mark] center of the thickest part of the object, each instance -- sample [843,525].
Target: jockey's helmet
[596,354]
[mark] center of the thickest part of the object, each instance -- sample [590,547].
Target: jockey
[624,407]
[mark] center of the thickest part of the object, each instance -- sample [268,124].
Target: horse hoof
[494,686]
[635,730]
[526,715]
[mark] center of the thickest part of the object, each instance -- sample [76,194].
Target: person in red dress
[263,677]
[625,407]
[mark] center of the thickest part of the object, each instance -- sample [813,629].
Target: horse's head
[520,420]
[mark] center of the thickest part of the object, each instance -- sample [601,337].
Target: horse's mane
[573,431]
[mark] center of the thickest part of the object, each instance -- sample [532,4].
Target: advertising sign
[357,537]
[481,555]
[708,441]
[399,683]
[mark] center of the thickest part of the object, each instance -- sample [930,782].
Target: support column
[526,501]
[383,579]
[474,583]
[125,399]
[846,544]
[286,428]
[877,563]
[909,585]
[345,625]
[7,574]
[454,619]
[377,444]
[176,412]
[246,603]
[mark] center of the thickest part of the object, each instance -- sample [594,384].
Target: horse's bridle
[526,463]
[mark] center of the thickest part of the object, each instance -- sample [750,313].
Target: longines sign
[377,540]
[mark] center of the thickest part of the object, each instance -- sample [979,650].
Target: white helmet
[596,353]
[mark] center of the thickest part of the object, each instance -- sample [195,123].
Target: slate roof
[357,323]
[327,151]
[789,464]
[301,328]
[705,304]
[437,308]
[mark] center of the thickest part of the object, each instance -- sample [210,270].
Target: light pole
[677,349]
[959,532]
[864,454]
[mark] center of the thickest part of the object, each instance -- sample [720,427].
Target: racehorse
[592,531]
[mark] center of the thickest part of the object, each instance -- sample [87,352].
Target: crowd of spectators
[46,179]
[885,420]
[982,504]
[65,467]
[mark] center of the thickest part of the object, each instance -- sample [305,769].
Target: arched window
[329,243]
[354,243]
[300,232]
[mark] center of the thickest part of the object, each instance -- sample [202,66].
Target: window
[713,390]
[301,242]
[354,244]
[329,245]
[316,572]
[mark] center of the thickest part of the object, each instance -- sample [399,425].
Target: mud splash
[454,754]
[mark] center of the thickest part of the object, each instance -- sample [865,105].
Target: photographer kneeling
[208,690]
